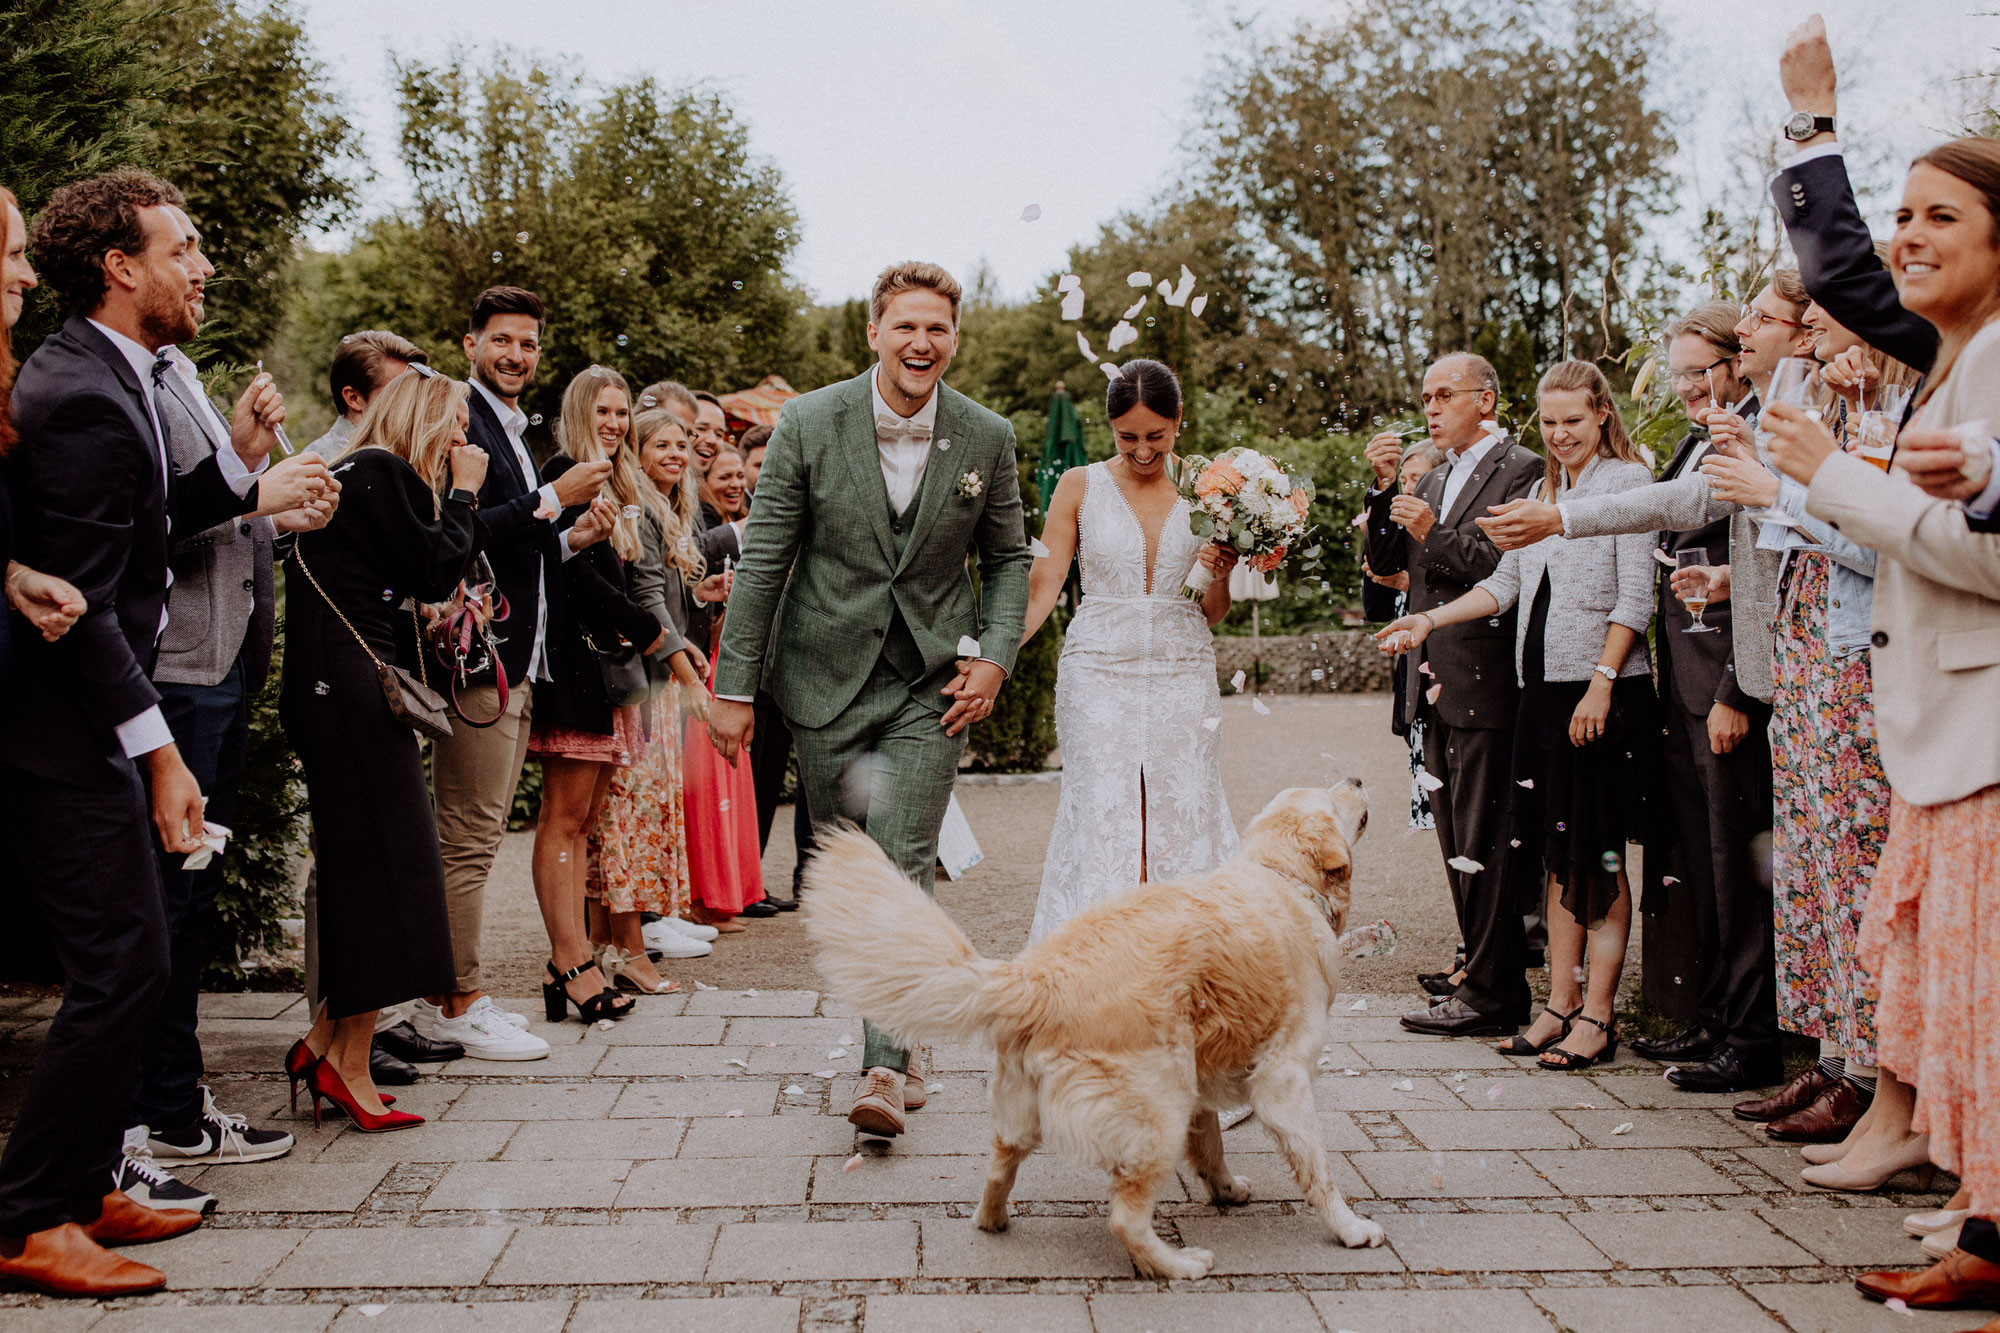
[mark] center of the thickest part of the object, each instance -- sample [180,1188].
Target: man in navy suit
[86,756]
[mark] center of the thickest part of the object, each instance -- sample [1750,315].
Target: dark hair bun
[1143,383]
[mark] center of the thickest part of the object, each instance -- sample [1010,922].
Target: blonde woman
[404,533]
[638,843]
[579,735]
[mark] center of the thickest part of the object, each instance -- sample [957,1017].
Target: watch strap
[462,495]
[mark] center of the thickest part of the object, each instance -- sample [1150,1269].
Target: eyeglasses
[423,370]
[1757,319]
[1700,373]
[1444,396]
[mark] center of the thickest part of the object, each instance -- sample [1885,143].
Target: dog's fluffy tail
[888,950]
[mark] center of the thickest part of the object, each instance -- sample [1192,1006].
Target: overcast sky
[922,128]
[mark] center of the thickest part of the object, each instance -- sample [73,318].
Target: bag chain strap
[300,556]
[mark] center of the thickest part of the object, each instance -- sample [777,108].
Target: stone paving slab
[1653,1310]
[1204,1312]
[1383,1092]
[1496,1129]
[736,1314]
[790,1251]
[217,1319]
[220,1260]
[501,1186]
[1848,1237]
[483,1317]
[1274,1243]
[1436,1311]
[1641,1171]
[1463,1242]
[1659,1129]
[1493,1174]
[1030,1247]
[977,1314]
[303,1187]
[717,1183]
[393,1257]
[654,1101]
[1837,1308]
[1689,1240]
[565,1256]
[562,1140]
[535,1101]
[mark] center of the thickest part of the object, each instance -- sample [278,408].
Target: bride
[1137,710]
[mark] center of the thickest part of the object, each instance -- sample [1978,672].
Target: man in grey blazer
[874,493]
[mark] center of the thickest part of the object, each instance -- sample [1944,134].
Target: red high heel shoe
[299,1062]
[325,1081]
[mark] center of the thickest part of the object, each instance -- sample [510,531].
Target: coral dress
[725,867]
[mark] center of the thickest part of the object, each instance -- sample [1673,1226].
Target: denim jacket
[1851,609]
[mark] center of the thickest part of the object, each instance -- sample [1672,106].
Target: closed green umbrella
[1062,444]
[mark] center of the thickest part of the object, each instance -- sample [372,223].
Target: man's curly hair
[87,219]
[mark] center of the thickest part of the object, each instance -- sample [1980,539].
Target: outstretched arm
[1059,536]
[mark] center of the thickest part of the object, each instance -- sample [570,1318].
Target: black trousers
[770,752]
[1722,806]
[1471,810]
[211,726]
[84,849]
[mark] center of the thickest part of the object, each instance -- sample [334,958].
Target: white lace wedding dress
[1135,697]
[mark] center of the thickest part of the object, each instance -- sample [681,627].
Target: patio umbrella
[1062,444]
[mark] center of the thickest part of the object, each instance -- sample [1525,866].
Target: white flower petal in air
[1068,282]
[1259,706]
[1122,335]
[1110,371]
[1236,682]
[1529,783]
[1180,293]
[1465,863]
[1431,694]
[1166,291]
[1072,306]
[1428,780]
[1138,280]
[1494,429]
[1360,520]
[1669,879]
[1031,213]
[1083,345]
[1133,310]
[1196,306]
[967,647]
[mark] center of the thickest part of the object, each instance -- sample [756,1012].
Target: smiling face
[1570,429]
[611,419]
[711,432]
[726,481]
[17,277]
[665,455]
[1830,336]
[1944,256]
[1455,404]
[154,285]
[505,354]
[1145,439]
[199,269]
[916,340]
[1703,376]
[1771,330]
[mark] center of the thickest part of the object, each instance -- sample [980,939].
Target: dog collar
[1318,900]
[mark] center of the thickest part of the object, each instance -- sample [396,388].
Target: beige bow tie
[893,428]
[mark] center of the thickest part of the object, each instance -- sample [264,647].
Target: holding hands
[973,692]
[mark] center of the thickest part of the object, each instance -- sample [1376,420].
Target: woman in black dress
[404,534]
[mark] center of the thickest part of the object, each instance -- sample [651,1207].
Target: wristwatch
[1609,673]
[1803,125]
[463,496]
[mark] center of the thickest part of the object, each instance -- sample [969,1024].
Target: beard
[165,316]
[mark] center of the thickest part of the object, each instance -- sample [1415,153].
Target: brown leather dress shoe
[1827,1120]
[125,1221]
[1956,1280]
[1794,1097]
[65,1261]
[878,1104]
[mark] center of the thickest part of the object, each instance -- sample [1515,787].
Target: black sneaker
[146,1184]
[216,1136]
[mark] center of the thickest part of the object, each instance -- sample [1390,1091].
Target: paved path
[688,1169]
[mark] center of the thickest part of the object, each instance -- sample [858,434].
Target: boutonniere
[970,485]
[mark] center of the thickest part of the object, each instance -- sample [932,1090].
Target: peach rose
[1218,477]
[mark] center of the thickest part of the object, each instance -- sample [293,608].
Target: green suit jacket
[820,555]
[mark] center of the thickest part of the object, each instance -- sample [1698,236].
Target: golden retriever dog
[1122,1034]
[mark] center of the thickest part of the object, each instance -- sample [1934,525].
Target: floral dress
[1832,807]
[638,847]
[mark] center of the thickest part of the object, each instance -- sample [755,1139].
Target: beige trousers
[473,775]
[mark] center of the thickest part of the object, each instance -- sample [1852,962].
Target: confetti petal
[933,1087]
[1465,863]
[1898,1304]
[740,1064]
[836,1055]
[1210,723]
[1032,213]
[1359,1006]
[1669,879]
[849,1041]
[1072,306]
[1110,371]
[1122,335]
[1625,1128]
[1037,549]
[703,985]
[1259,706]
[1083,345]
[1405,1086]
[1493,1094]
[1196,306]
[1132,311]
[1236,681]
[1138,279]
[851,1163]
[1350,1073]
[1425,667]
[1360,520]
[749,992]
[794,1090]
[1428,780]
[1586,1106]
[604,1025]
[1529,783]
[1069,282]
[1437,1180]
[1179,295]
[827,1073]
[371,1310]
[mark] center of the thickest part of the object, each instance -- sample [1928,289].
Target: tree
[640,217]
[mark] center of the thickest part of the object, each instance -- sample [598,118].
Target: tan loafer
[878,1103]
[916,1073]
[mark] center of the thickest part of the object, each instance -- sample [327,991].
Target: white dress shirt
[148,730]
[904,444]
[1462,464]
[514,422]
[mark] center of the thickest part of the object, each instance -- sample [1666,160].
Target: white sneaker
[485,1033]
[694,930]
[486,1009]
[670,943]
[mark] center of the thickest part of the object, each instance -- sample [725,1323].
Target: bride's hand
[1219,559]
[1405,635]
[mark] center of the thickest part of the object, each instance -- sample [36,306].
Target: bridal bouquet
[1246,501]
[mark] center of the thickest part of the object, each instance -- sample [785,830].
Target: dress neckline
[1149,544]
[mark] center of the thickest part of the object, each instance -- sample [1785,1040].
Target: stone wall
[1335,662]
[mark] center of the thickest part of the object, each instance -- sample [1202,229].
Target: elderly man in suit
[1463,686]
[99,498]
[874,493]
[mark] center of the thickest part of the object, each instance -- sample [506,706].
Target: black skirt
[1587,803]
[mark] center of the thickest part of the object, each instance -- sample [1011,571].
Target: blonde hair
[1613,442]
[576,435]
[682,503]
[414,418]
[1789,287]
[909,276]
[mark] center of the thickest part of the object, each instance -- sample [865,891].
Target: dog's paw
[1357,1232]
[991,1219]
[1185,1265]
[1229,1189]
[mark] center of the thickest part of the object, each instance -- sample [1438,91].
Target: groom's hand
[973,692]
[730,724]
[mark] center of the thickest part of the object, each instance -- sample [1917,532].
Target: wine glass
[1695,557]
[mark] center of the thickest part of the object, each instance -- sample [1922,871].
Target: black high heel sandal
[1569,1061]
[556,998]
[1522,1046]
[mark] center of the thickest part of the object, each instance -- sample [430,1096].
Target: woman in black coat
[404,534]
[577,732]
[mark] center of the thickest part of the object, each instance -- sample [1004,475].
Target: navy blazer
[518,544]
[91,506]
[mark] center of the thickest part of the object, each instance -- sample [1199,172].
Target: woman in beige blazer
[1932,924]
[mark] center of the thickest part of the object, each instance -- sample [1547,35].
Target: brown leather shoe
[915,1074]
[126,1221]
[1794,1097]
[878,1104]
[65,1261]
[1956,1280]
[1827,1120]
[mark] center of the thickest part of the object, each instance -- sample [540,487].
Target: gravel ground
[1304,740]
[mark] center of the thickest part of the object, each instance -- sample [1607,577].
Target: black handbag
[413,701]
[622,671]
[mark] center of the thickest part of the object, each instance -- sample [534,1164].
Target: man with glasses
[1720,773]
[1463,686]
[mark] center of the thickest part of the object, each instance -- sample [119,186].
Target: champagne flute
[1695,557]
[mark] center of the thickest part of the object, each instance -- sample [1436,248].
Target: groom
[874,491]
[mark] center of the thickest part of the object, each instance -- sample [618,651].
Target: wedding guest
[674,397]
[363,365]
[711,429]
[1734,768]
[1469,726]
[752,446]
[1585,736]
[213,659]
[95,499]
[475,770]
[638,857]
[579,733]
[404,534]
[1935,595]
[725,487]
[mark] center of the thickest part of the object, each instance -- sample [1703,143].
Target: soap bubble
[621,272]
[697,203]
[1613,863]
[535,420]
[520,238]
[622,340]
[497,256]
[628,180]
[738,284]
[782,233]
